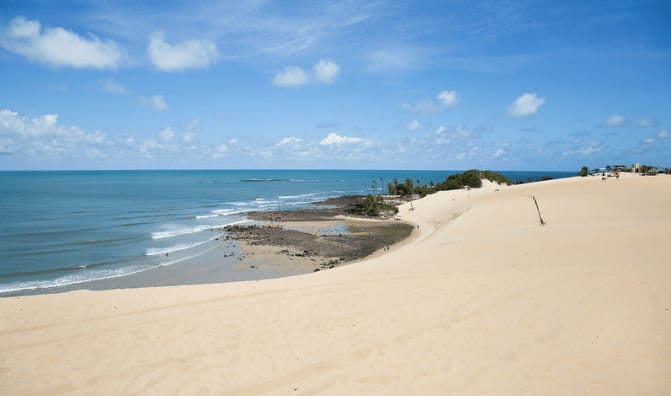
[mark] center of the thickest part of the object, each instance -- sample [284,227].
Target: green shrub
[372,206]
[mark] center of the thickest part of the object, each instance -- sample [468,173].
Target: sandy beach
[480,300]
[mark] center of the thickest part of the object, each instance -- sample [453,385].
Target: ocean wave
[297,196]
[179,260]
[261,180]
[178,247]
[228,212]
[206,216]
[84,274]
[180,231]
[73,279]
[192,230]
[221,213]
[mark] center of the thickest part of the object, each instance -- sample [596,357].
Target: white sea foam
[179,260]
[221,212]
[80,277]
[179,231]
[210,216]
[227,212]
[91,276]
[190,230]
[184,246]
[297,196]
[178,247]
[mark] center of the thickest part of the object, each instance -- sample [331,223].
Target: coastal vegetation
[468,179]
[635,168]
[373,206]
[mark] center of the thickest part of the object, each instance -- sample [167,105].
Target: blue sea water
[62,228]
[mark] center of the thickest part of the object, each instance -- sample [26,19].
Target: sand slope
[483,300]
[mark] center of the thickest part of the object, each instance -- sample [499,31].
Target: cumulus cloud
[615,120]
[291,140]
[323,72]
[413,125]
[663,134]
[156,102]
[447,98]
[291,76]
[444,98]
[333,138]
[525,105]
[59,47]
[44,137]
[326,71]
[190,54]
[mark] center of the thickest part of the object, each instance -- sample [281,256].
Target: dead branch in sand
[538,210]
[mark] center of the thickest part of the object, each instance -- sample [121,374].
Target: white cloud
[663,134]
[291,140]
[191,131]
[526,105]
[220,151]
[334,138]
[447,98]
[326,71]
[166,135]
[59,47]
[111,86]
[156,102]
[44,137]
[190,54]
[291,76]
[323,72]
[413,125]
[189,137]
[441,129]
[615,120]
[499,153]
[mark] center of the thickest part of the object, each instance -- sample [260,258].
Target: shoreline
[480,299]
[227,259]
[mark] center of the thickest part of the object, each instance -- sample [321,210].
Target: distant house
[651,172]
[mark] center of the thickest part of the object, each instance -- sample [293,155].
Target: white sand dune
[481,301]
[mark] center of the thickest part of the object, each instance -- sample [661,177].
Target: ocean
[65,228]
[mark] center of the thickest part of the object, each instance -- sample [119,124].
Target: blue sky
[507,85]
